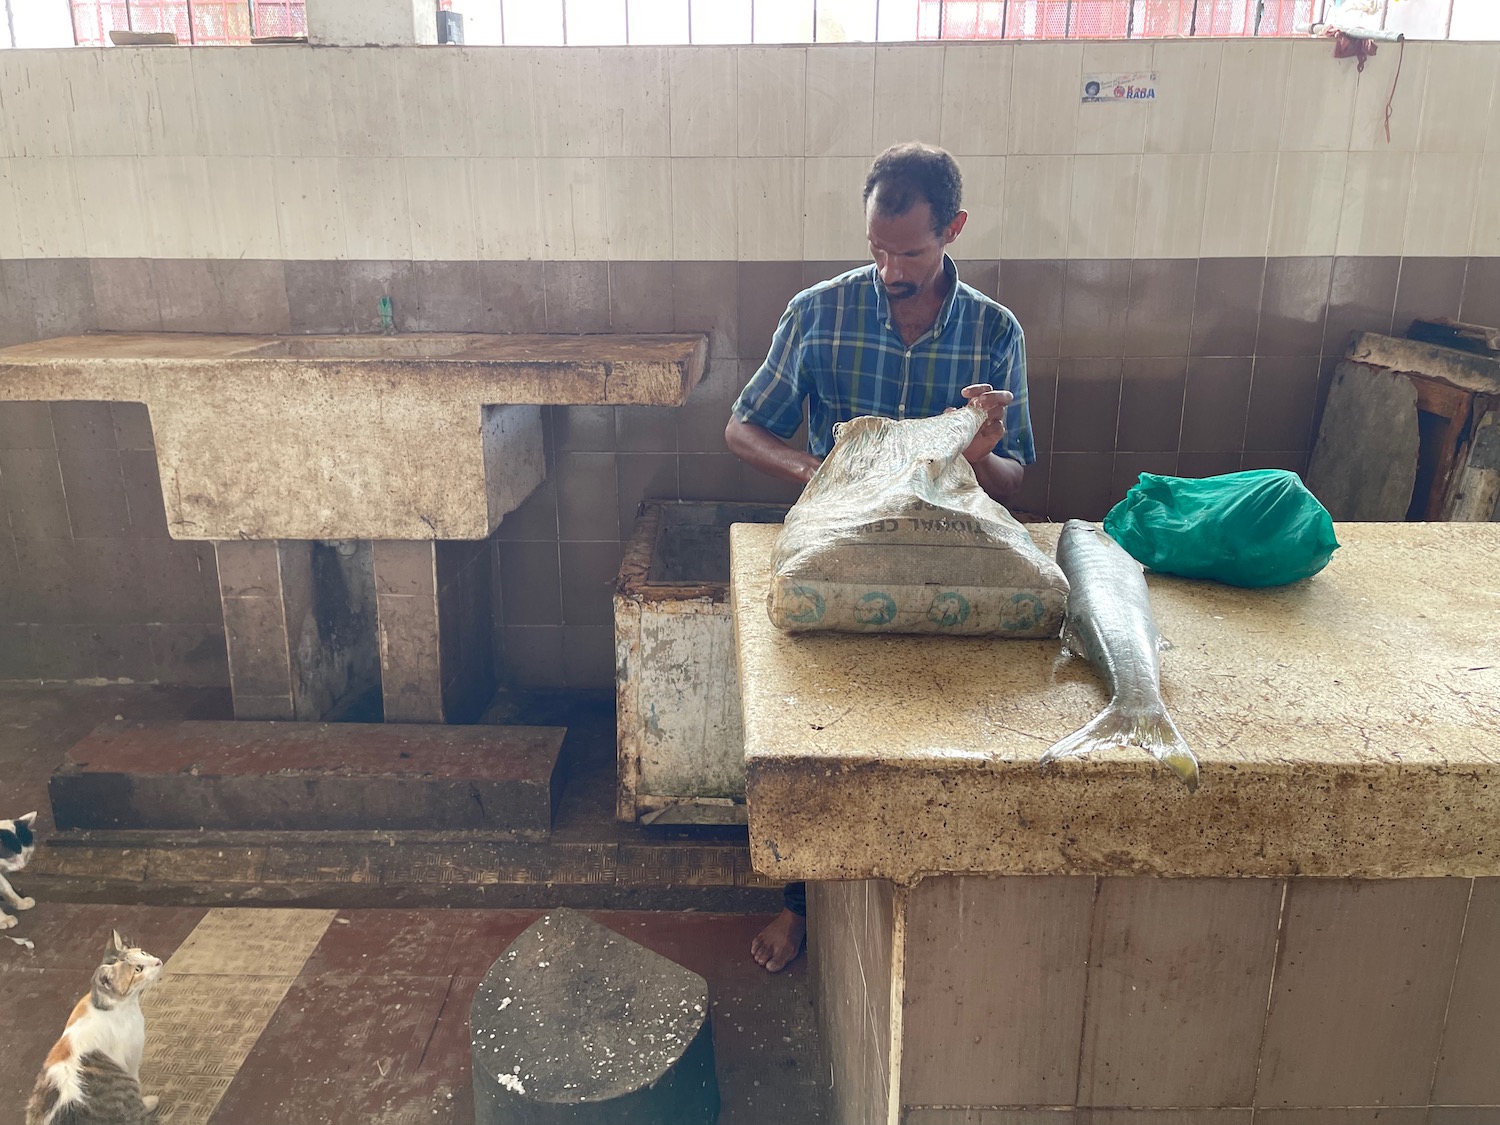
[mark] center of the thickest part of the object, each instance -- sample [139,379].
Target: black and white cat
[17,842]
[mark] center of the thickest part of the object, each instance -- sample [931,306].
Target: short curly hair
[908,172]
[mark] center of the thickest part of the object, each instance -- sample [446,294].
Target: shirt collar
[883,305]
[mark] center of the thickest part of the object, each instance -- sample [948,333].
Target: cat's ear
[117,943]
[27,819]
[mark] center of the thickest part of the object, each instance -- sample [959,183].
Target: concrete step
[244,776]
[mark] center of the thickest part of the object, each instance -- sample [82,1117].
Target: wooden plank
[1364,464]
[1476,490]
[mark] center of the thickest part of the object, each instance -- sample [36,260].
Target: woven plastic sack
[1258,528]
[894,535]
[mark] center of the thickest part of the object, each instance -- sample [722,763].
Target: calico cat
[92,1075]
[16,845]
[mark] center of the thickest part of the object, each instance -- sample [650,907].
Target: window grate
[196,22]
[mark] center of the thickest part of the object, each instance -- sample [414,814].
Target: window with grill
[198,22]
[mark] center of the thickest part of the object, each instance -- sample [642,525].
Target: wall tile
[1292,460]
[640,296]
[1088,405]
[506,197]
[1361,298]
[255,629]
[116,88]
[1481,292]
[706,298]
[1226,306]
[1095,301]
[646,429]
[26,425]
[190,301]
[1252,94]
[976,97]
[1460,85]
[589,657]
[1044,108]
[705,113]
[1466,1073]
[535,521]
[47,207]
[1486,236]
[587,499]
[577,295]
[502,100]
[588,578]
[110,204]
[411,676]
[1237,209]
[1307,203]
[1373,91]
[1031,498]
[841,101]
[1196,955]
[10,215]
[1159,317]
[764,290]
[309,211]
[643,476]
[907,86]
[444,297]
[514,295]
[1020,945]
[433,91]
[1311,81]
[1428,287]
[637,113]
[1207,464]
[701,420]
[1041,400]
[770,209]
[583,429]
[1362,981]
[1187,73]
[771,98]
[533,657]
[1118,127]
[573,207]
[1215,405]
[1283,394]
[1079,486]
[1033,291]
[123,294]
[173,193]
[835,220]
[91,475]
[1294,306]
[189,654]
[708,476]
[31,483]
[1151,399]
[367,90]
[1440,210]
[252,295]
[37,122]
[62,296]
[705,205]
[442,214]
[1039,190]
[1170,205]
[1377,186]
[248,568]
[530,582]
[244,206]
[640,208]
[1101,217]
[403,568]
[567,86]
[132,426]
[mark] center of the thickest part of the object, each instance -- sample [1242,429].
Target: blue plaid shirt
[838,348]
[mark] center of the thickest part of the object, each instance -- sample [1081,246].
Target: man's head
[913,198]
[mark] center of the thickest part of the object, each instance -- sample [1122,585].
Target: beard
[902,291]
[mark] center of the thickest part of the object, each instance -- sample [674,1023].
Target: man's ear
[955,226]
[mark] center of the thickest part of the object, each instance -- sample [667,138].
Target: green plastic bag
[1259,528]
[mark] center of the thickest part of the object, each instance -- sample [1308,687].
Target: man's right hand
[763,450]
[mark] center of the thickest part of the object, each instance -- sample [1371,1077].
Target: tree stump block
[577,1024]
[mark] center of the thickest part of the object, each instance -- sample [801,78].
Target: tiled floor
[303,1017]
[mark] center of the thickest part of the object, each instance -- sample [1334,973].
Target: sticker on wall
[1119,87]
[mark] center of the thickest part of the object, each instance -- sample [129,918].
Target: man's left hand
[994,404]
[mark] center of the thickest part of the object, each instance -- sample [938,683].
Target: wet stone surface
[576,1023]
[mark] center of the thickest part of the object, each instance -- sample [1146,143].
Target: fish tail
[1153,731]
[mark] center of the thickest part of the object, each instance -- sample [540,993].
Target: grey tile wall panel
[1041,397]
[132,426]
[1088,405]
[1362,982]
[1428,288]
[646,429]
[125,295]
[1126,471]
[533,655]
[1033,291]
[1226,306]
[1216,405]
[706,298]
[190,654]
[1283,394]
[442,297]
[1159,314]
[26,425]
[640,296]
[1020,945]
[1481,304]
[765,288]
[536,518]
[1095,303]
[514,296]
[62,296]
[589,571]
[577,295]
[1361,298]
[32,488]
[252,295]
[531,582]
[587,497]
[1294,306]
[589,657]
[1151,398]
[1079,485]
[1467,1073]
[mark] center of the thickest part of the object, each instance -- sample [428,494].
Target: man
[900,338]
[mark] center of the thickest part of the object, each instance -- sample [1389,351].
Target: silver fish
[1109,623]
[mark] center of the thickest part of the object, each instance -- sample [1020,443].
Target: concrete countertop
[414,436]
[1348,725]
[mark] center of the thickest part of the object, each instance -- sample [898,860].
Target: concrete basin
[413,437]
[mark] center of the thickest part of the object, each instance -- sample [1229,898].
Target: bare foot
[778,945]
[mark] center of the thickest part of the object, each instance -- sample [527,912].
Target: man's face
[907,252]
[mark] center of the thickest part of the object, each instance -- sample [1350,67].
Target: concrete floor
[328,1017]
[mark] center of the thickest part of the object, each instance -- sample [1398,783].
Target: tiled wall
[1186,271]
[1150,1001]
